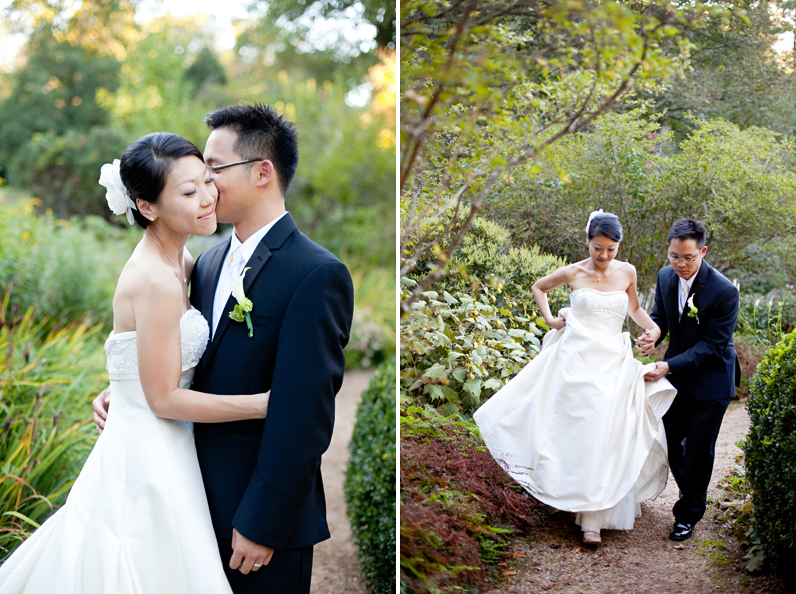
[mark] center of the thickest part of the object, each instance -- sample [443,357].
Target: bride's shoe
[591,537]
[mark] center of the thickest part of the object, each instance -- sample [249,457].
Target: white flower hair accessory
[118,197]
[593,214]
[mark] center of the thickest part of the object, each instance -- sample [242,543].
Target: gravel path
[335,569]
[552,559]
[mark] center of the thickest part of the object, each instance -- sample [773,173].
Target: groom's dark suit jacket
[701,355]
[263,477]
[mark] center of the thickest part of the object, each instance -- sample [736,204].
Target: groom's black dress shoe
[681,531]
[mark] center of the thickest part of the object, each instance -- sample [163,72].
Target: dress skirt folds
[136,520]
[578,427]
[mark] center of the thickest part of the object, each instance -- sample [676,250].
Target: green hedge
[770,450]
[370,481]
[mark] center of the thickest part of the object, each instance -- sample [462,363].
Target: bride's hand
[558,323]
[262,404]
[101,404]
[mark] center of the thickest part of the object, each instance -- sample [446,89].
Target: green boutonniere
[693,311]
[244,306]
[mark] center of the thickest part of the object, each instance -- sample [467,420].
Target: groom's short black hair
[262,134]
[683,229]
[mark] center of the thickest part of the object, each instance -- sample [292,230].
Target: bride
[579,427]
[136,519]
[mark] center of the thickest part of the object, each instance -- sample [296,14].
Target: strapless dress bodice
[122,355]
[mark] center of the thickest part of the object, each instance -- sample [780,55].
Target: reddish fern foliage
[456,504]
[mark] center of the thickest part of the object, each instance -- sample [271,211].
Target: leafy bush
[62,169]
[486,257]
[370,481]
[458,350]
[770,450]
[739,182]
[66,268]
[47,380]
[457,505]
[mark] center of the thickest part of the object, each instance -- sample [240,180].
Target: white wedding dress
[136,520]
[578,427]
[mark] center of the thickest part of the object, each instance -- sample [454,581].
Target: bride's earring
[151,218]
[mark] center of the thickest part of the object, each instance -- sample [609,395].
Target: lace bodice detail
[122,356]
[588,300]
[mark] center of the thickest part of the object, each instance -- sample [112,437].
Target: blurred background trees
[93,76]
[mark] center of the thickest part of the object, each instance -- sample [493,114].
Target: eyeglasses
[683,260]
[217,168]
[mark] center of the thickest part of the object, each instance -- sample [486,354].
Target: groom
[263,477]
[698,307]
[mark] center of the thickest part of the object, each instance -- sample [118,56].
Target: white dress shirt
[685,289]
[241,252]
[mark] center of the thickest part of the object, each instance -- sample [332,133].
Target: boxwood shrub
[770,450]
[370,481]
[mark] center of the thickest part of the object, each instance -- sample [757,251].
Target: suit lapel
[208,281]
[273,240]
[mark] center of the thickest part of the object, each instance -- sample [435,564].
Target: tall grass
[47,380]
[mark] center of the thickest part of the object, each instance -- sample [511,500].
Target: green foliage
[156,93]
[280,36]
[95,80]
[487,258]
[343,195]
[735,73]
[373,328]
[62,170]
[205,70]
[770,450]
[55,94]
[370,481]
[47,381]
[457,349]
[488,87]
[767,320]
[67,269]
[462,341]
[739,183]
[302,15]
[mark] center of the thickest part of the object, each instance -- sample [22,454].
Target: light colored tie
[683,298]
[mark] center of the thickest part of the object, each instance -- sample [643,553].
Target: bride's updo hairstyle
[605,224]
[146,164]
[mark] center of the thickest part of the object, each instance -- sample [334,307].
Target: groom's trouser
[692,427]
[289,572]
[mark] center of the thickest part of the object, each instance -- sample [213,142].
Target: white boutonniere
[693,311]
[244,305]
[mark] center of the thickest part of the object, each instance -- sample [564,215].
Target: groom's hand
[100,405]
[646,342]
[247,555]
[661,369]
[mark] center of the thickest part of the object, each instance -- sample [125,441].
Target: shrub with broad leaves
[459,349]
